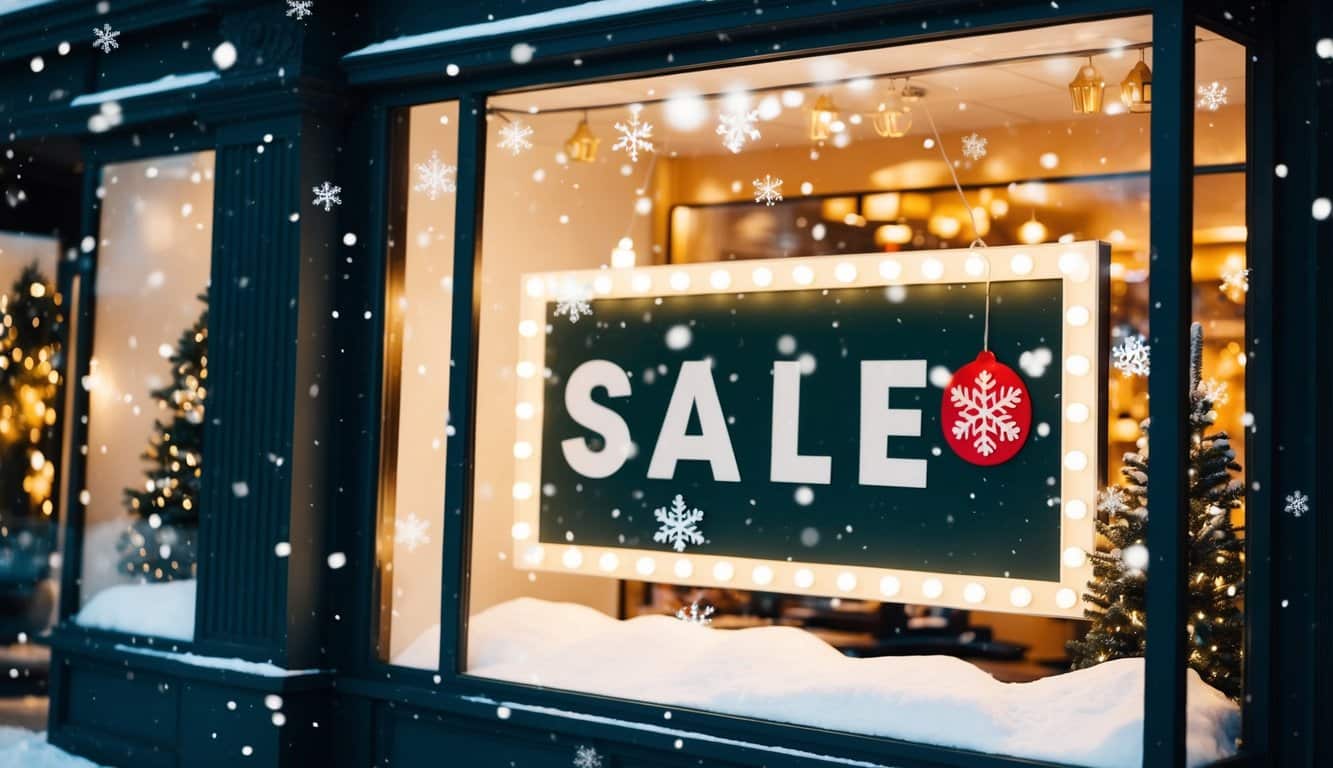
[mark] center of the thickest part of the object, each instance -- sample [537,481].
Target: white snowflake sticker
[1214,391]
[767,190]
[974,146]
[1212,96]
[434,177]
[105,38]
[1112,500]
[984,413]
[736,128]
[411,532]
[587,757]
[679,525]
[514,137]
[573,302]
[695,613]
[635,136]
[1235,281]
[326,195]
[1132,357]
[1298,504]
[299,9]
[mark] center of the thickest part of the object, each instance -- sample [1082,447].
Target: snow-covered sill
[161,85]
[261,669]
[14,6]
[582,12]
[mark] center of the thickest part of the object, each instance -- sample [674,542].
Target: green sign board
[778,425]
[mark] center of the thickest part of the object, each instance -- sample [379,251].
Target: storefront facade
[459,348]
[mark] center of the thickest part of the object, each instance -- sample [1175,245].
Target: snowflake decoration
[1212,96]
[411,532]
[1214,391]
[1131,357]
[984,413]
[326,195]
[587,757]
[1112,500]
[105,38]
[434,177]
[737,128]
[635,137]
[1235,281]
[974,147]
[299,9]
[696,614]
[767,190]
[514,137]
[679,525]
[573,303]
[1297,504]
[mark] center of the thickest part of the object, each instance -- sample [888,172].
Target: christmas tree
[1215,599]
[160,543]
[30,374]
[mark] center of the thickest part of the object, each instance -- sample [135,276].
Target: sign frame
[1082,267]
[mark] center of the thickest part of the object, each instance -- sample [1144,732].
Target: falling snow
[695,613]
[105,38]
[737,128]
[984,413]
[435,177]
[1298,504]
[1212,96]
[678,526]
[767,190]
[587,757]
[299,9]
[974,147]
[326,195]
[1131,357]
[635,136]
[514,136]
[1235,280]
[411,532]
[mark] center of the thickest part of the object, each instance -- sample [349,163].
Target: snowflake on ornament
[587,757]
[411,532]
[635,137]
[1132,357]
[105,38]
[1212,96]
[514,137]
[326,195]
[984,413]
[573,303]
[736,128]
[434,177]
[299,9]
[696,614]
[767,190]
[1298,504]
[974,146]
[678,526]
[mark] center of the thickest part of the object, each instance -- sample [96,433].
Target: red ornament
[986,412]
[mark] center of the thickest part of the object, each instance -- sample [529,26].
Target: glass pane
[792,565]
[419,302]
[147,382]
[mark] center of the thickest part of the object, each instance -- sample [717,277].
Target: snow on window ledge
[259,668]
[160,85]
[1090,717]
[163,610]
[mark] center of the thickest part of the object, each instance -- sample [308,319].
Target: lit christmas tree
[1215,599]
[160,543]
[31,364]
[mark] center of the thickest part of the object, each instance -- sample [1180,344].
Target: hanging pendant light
[893,118]
[822,117]
[1136,88]
[1086,90]
[582,145]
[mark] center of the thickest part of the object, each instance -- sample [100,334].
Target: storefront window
[739,444]
[147,382]
[409,546]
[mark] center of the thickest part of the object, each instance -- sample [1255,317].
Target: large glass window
[725,322]
[147,382]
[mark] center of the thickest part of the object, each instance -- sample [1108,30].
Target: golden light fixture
[896,234]
[582,145]
[893,117]
[1136,88]
[1085,90]
[822,116]
[1032,231]
[623,256]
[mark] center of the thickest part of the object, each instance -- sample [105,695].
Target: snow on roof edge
[167,83]
[567,15]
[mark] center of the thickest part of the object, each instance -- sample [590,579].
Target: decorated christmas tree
[1215,599]
[30,374]
[160,543]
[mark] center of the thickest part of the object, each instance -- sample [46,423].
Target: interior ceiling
[972,98]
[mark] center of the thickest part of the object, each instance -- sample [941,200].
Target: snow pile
[1090,717]
[21,748]
[158,610]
